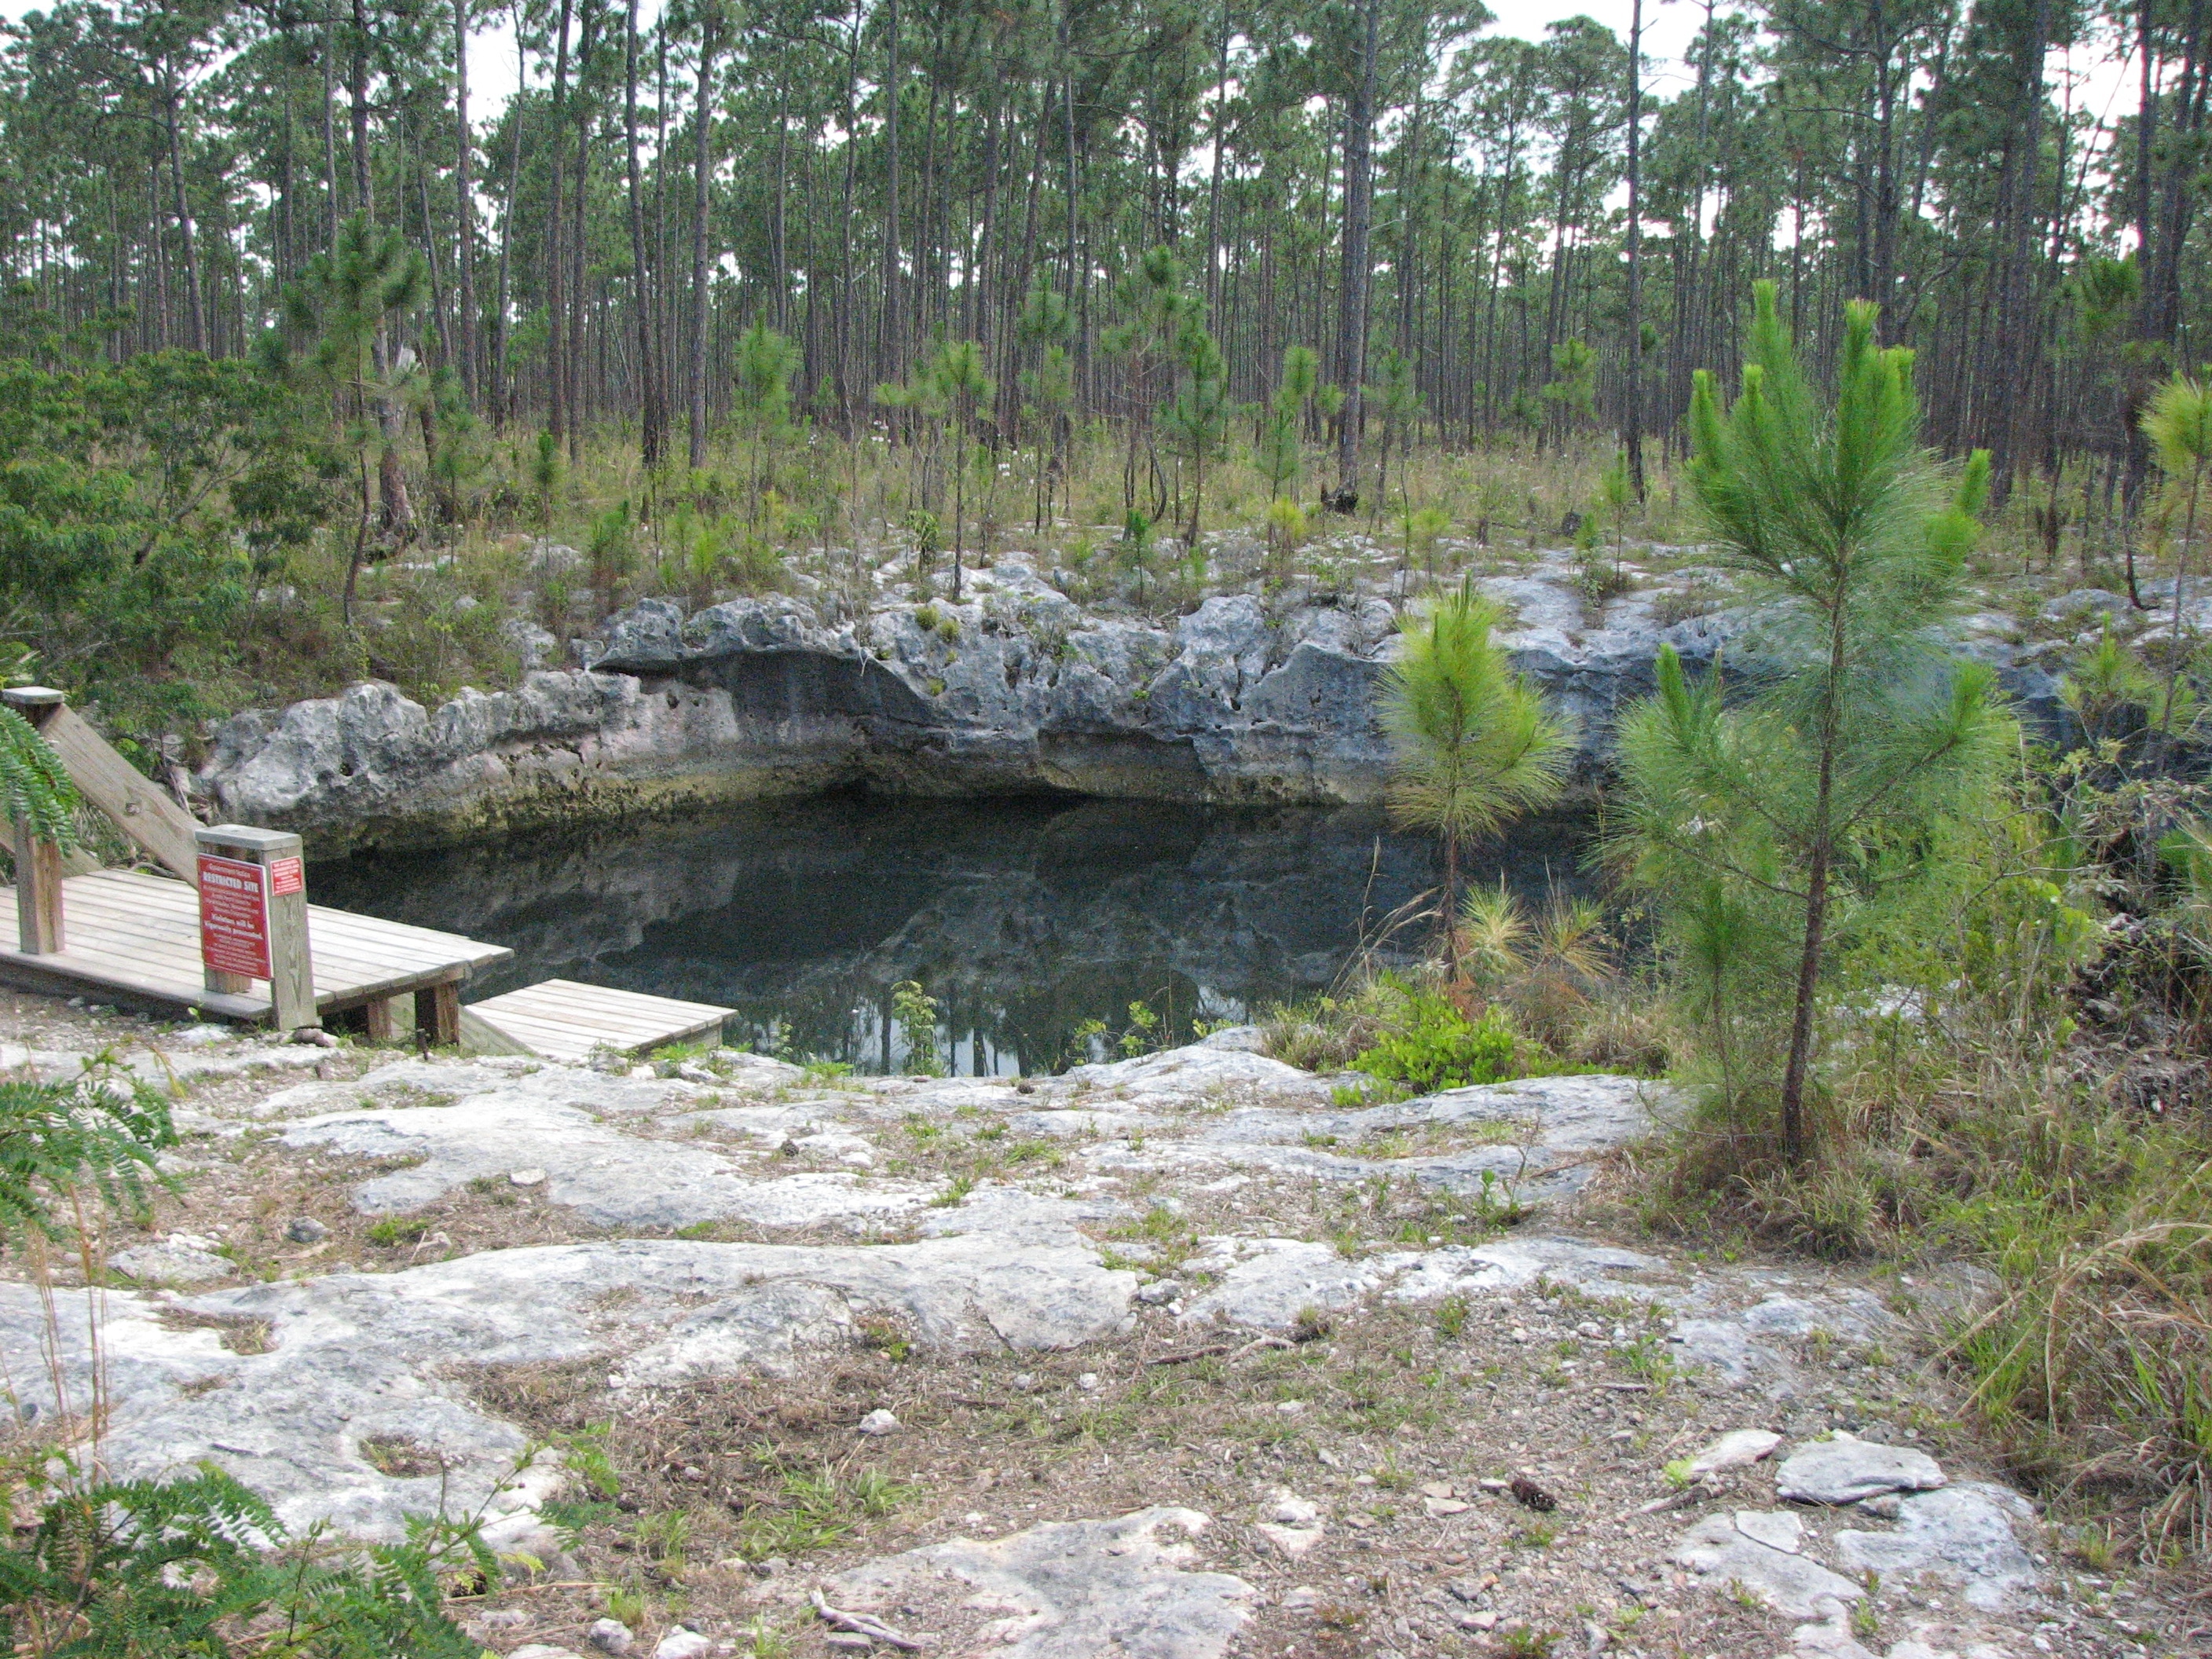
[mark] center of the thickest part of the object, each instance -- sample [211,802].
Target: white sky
[2106,91]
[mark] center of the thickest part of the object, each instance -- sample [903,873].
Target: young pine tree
[1475,744]
[2178,424]
[766,362]
[1769,832]
[1279,456]
[1198,419]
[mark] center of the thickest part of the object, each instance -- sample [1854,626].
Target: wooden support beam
[253,918]
[142,809]
[37,894]
[390,1019]
[438,1012]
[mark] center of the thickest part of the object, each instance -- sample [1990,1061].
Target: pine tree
[1777,824]
[1476,746]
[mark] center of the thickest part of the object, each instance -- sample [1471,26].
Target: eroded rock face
[1016,688]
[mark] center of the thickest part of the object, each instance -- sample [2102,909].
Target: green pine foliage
[1473,744]
[1775,834]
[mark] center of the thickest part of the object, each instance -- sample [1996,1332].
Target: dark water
[1028,921]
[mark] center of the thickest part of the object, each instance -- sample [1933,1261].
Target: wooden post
[438,1012]
[253,916]
[38,863]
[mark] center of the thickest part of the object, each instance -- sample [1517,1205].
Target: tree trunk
[701,174]
[652,419]
[465,204]
[1631,428]
[556,282]
[1359,206]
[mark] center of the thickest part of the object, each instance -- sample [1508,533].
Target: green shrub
[1434,1045]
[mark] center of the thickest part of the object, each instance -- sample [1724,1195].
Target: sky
[2105,87]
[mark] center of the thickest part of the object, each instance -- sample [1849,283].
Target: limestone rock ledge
[1018,691]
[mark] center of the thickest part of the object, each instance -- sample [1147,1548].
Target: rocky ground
[1188,1356]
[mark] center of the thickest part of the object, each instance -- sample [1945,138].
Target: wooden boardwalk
[135,938]
[560,1020]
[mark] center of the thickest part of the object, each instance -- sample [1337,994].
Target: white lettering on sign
[233,917]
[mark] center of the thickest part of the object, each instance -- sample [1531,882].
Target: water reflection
[1036,924]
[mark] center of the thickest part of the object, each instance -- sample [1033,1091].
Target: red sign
[234,916]
[287,876]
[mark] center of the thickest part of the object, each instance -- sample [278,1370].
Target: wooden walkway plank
[136,937]
[562,1020]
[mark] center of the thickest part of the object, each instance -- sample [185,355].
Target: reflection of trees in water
[1026,920]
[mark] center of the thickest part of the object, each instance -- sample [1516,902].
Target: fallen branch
[860,1623]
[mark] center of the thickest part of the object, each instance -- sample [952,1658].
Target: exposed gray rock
[1845,1469]
[611,1637]
[1787,1581]
[1075,1590]
[356,1356]
[608,1177]
[179,1260]
[1963,1535]
[1268,1282]
[1015,689]
[1738,1448]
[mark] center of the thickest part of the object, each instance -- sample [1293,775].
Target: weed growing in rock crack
[1527,1642]
[395,1230]
[956,1193]
[626,1606]
[241,1333]
[886,1337]
[1452,1316]
[402,1459]
[816,1509]
[764,1640]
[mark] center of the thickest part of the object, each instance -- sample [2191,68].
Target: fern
[201,1568]
[35,786]
[54,1136]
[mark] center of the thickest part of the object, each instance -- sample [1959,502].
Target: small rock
[1291,1407]
[1437,1489]
[1777,1529]
[682,1644]
[504,1618]
[610,1635]
[526,1177]
[1483,1620]
[1088,1381]
[1304,1595]
[642,1072]
[1736,1449]
[879,1422]
[1846,1469]
[306,1229]
[315,1036]
[1883,1506]
[541,1650]
[1025,1381]
[1438,1508]
[1159,1292]
[1291,1511]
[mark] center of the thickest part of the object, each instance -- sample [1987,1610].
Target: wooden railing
[266,927]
